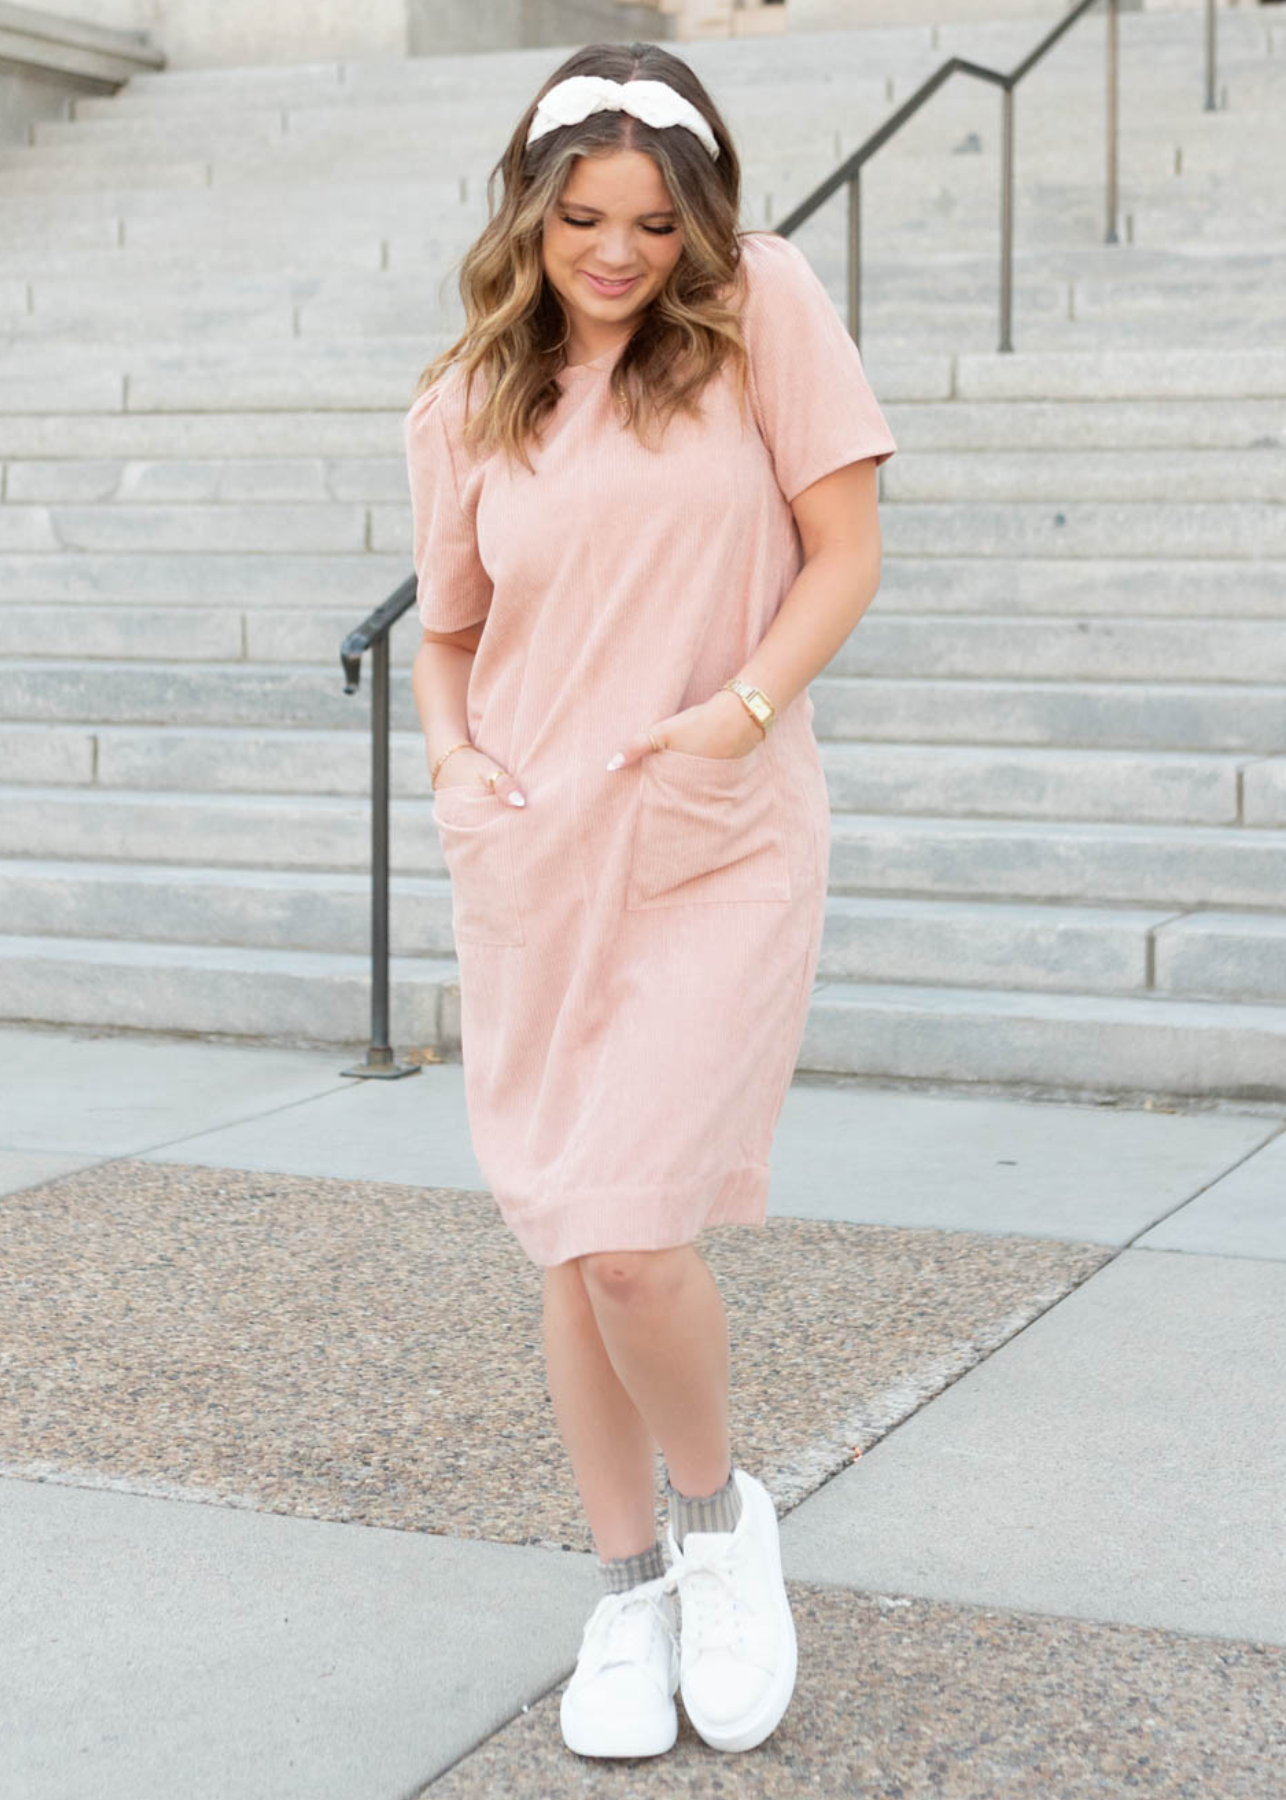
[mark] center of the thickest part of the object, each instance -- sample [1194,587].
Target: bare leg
[612,1453]
[662,1319]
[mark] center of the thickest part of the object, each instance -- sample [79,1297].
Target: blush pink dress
[636,949]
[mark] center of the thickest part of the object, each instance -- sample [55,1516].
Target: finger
[507,789]
[636,748]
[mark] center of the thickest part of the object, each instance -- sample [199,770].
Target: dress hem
[657,1218]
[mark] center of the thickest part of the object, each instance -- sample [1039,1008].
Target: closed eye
[656,230]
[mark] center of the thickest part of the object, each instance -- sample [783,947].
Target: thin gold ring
[493,778]
[651,738]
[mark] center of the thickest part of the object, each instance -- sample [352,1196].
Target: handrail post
[855,255]
[1210,56]
[379,1054]
[1007,218]
[379,848]
[1113,115]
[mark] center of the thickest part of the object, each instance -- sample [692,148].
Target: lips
[609,289]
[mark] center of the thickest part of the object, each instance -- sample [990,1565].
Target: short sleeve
[454,590]
[814,406]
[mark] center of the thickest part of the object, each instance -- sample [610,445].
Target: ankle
[718,1511]
[620,1573]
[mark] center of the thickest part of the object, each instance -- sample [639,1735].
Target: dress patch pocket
[474,830]
[706,829]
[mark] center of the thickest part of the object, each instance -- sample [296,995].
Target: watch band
[755,701]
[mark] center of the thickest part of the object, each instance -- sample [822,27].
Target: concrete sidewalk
[285,1511]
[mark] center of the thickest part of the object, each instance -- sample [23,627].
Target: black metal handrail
[850,170]
[373,633]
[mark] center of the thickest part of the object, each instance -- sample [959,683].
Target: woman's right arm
[439,682]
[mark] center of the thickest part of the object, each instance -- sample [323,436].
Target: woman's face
[614,219]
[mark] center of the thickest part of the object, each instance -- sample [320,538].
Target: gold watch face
[759,706]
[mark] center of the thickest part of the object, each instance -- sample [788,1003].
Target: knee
[639,1279]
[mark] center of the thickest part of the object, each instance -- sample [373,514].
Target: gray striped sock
[622,1572]
[709,1512]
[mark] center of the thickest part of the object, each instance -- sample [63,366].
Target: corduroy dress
[636,948]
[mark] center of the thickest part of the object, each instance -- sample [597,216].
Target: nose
[614,252]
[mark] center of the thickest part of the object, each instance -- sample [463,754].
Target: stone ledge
[86,56]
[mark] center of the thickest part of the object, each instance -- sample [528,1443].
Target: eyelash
[654,230]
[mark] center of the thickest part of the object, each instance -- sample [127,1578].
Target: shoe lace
[620,1630]
[715,1613]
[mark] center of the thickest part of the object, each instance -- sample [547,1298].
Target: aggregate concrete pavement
[287,1512]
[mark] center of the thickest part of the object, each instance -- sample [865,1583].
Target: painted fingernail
[616,761]
[517,800]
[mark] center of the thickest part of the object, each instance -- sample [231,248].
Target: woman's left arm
[839,526]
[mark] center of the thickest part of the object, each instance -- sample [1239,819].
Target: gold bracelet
[464,744]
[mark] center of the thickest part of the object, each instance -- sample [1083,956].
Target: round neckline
[605,360]
[595,365]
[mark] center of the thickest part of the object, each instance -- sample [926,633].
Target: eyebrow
[661,213]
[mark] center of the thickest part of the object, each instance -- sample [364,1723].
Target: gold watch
[756,702]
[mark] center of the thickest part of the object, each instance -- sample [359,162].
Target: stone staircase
[1056,745]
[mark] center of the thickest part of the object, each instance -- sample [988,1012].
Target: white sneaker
[738,1652]
[620,1699]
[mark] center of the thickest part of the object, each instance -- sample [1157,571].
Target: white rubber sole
[747,1733]
[651,1734]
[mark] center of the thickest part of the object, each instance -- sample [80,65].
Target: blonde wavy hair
[516,326]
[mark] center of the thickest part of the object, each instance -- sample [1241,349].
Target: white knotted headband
[655,102]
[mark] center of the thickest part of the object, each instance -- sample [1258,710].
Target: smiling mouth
[610,287]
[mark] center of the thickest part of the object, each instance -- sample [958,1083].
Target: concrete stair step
[1040,586]
[1140,715]
[1055,948]
[210,481]
[1157,153]
[1031,587]
[1123,267]
[295,241]
[1008,475]
[346,374]
[472,109]
[920,427]
[25,169]
[1036,331]
[1057,475]
[1128,715]
[1098,650]
[305,909]
[1054,429]
[293,432]
[210,990]
[931,166]
[1072,862]
[1223,529]
[958,780]
[1035,1039]
[1163,373]
[284,527]
[1050,948]
[963,326]
[1118,649]
[1042,1042]
[837,61]
[317,832]
[1164,32]
[132,204]
[356,582]
[959,322]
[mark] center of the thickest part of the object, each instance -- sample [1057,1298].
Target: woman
[644,507]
